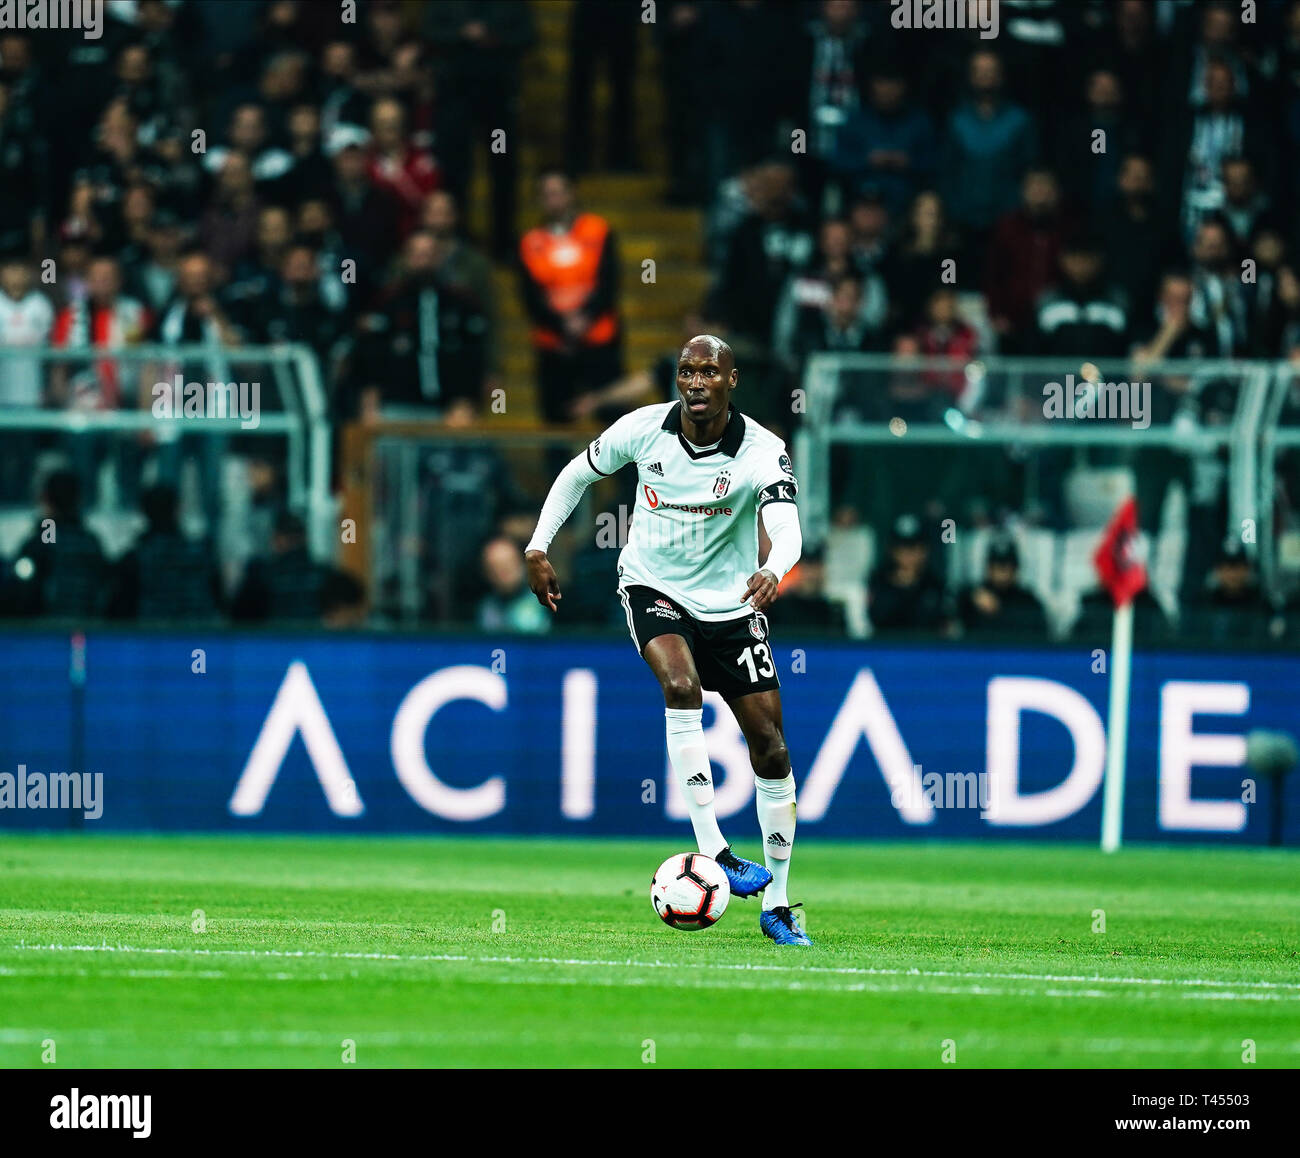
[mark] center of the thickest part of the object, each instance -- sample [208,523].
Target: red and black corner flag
[1122,573]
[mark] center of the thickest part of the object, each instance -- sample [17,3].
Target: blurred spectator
[1216,45]
[249,135]
[228,227]
[365,217]
[915,267]
[999,605]
[1219,130]
[990,143]
[943,334]
[1271,302]
[832,79]
[106,319]
[1093,162]
[602,30]
[1218,297]
[1176,335]
[1024,258]
[310,170]
[1232,609]
[464,270]
[889,146]
[680,34]
[60,569]
[342,101]
[426,343]
[26,318]
[1083,315]
[467,488]
[166,575]
[807,295]
[314,227]
[153,278]
[904,593]
[1139,239]
[21,176]
[766,247]
[478,49]
[253,279]
[294,310]
[196,316]
[1130,47]
[405,173]
[1244,203]
[569,281]
[838,325]
[803,604]
[509,605]
[290,585]
[1093,625]
[869,227]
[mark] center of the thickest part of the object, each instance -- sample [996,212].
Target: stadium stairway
[647,228]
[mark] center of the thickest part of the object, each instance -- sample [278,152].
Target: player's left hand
[762,587]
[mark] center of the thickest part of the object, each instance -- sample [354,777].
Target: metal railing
[291,406]
[1000,402]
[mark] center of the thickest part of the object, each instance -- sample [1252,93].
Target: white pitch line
[1285,987]
[641,982]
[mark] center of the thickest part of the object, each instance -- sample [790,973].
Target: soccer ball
[690,891]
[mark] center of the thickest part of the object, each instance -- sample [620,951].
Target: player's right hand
[541,579]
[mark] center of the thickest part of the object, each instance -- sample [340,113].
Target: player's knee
[682,690]
[771,758]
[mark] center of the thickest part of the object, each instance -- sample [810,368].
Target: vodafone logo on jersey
[655,503]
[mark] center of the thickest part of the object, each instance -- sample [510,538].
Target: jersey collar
[732,436]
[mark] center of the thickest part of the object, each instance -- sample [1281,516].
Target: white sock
[690,760]
[776,819]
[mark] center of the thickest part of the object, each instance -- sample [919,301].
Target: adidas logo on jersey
[776,840]
[655,468]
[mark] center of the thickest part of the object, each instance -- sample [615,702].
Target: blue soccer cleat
[745,877]
[780,925]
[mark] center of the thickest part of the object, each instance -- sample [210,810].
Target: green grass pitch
[498,952]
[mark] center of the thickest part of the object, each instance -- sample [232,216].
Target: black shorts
[733,656]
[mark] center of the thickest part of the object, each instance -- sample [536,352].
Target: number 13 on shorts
[757,659]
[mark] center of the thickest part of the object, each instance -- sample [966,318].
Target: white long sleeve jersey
[694,532]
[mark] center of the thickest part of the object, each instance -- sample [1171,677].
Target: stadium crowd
[327,145]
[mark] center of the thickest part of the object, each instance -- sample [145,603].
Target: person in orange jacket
[569,280]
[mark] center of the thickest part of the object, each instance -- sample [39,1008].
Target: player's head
[706,376]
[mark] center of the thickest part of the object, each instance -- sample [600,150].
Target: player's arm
[780,519]
[604,456]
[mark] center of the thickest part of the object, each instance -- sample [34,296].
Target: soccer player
[693,599]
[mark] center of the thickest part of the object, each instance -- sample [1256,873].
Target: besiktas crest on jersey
[694,533]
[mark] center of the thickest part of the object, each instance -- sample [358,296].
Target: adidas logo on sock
[655,468]
[699,780]
[778,840]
